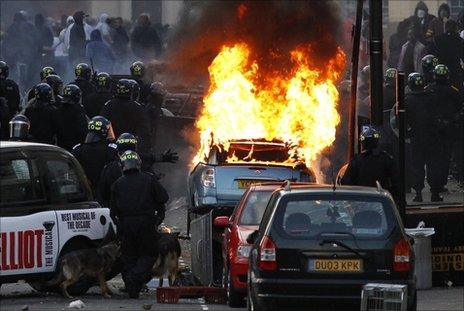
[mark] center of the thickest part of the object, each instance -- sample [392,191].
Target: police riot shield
[201,245]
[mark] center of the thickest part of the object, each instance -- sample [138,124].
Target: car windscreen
[310,217]
[255,152]
[254,208]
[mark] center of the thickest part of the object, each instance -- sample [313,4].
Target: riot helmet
[55,83]
[137,69]
[135,90]
[126,141]
[19,127]
[43,92]
[46,71]
[72,94]
[369,138]
[416,82]
[4,70]
[83,71]
[390,76]
[130,161]
[99,128]
[441,73]
[103,82]
[429,62]
[124,89]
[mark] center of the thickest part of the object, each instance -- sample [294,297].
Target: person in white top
[104,28]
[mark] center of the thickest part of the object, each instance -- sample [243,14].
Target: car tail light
[207,178]
[267,254]
[402,256]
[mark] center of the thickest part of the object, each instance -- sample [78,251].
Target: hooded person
[64,35]
[104,28]
[44,35]
[421,20]
[99,52]
[437,25]
[412,53]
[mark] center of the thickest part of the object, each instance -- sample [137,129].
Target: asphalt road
[20,295]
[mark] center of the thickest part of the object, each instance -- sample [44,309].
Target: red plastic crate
[173,294]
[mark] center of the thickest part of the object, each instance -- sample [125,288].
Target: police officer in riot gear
[448,108]
[421,118]
[102,95]
[19,128]
[137,203]
[372,165]
[9,90]
[112,171]
[97,150]
[44,73]
[42,114]
[57,87]
[153,110]
[125,115]
[429,62]
[83,80]
[137,70]
[135,90]
[71,118]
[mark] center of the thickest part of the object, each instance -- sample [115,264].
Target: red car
[235,250]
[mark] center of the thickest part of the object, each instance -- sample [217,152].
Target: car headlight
[243,251]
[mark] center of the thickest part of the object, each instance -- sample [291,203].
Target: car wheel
[234,298]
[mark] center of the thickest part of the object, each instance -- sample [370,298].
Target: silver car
[214,183]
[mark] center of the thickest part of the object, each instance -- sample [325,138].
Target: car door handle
[48,225]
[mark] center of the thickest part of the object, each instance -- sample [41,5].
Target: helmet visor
[19,129]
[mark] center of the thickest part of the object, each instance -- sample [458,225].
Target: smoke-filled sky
[271,28]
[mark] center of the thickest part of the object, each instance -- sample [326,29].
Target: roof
[326,188]
[26,145]
[273,185]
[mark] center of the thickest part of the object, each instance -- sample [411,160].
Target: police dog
[167,263]
[93,263]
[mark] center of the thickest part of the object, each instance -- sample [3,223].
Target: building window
[456,7]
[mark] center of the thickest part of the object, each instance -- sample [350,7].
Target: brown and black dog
[167,263]
[92,262]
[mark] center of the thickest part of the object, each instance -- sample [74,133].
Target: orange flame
[297,106]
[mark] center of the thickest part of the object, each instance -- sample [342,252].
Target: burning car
[223,175]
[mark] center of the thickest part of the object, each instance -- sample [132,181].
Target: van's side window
[64,181]
[19,181]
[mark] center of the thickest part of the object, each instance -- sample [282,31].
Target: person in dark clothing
[421,20]
[45,39]
[125,115]
[420,114]
[389,140]
[9,90]
[137,203]
[429,62]
[77,39]
[96,101]
[120,40]
[396,43]
[112,171]
[137,71]
[372,165]
[411,53]
[44,73]
[145,42]
[19,128]
[99,52]
[449,47]
[4,119]
[448,104]
[56,84]
[71,119]
[42,114]
[96,151]
[152,110]
[437,25]
[83,80]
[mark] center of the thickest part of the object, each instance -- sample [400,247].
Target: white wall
[114,8]
[171,10]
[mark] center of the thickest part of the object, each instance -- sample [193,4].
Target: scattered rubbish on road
[25,307]
[76,304]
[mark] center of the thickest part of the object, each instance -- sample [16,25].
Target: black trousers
[427,156]
[139,238]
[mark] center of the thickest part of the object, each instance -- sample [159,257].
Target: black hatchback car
[320,245]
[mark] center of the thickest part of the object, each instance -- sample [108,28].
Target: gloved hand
[169,156]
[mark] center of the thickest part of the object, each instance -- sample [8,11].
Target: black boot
[436,197]
[418,197]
